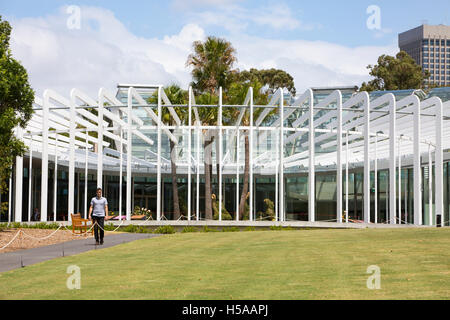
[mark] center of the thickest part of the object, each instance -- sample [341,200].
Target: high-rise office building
[429,46]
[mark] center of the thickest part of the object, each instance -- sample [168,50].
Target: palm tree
[236,95]
[211,62]
[208,117]
[176,96]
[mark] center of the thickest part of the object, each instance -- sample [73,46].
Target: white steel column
[158,160]
[44,173]
[311,150]
[120,172]
[417,167]
[219,156]
[86,175]
[277,167]
[251,204]
[30,180]
[19,182]
[376,179]
[430,187]
[71,157]
[237,174]
[198,169]
[367,160]
[189,154]
[399,181]
[55,180]
[346,178]
[339,158]
[129,153]
[10,197]
[101,101]
[392,162]
[281,183]
[438,164]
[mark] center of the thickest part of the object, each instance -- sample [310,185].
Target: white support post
[237,174]
[251,199]
[339,159]
[55,180]
[366,160]
[101,101]
[44,173]
[346,178]
[281,183]
[438,164]
[430,187]
[120,172]
[392,162]
[198,170]
[189,196]
[158,161]
[18,182]
[86,175]
[10,197]
[277,187]
[219,156]
[399,182]
[311,175]
[30,180]
[129,153]
[376,179]
[417,168]
[71,157]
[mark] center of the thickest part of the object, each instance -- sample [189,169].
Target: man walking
[97,212]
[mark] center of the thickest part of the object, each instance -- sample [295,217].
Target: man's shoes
[97,243]
[101,242]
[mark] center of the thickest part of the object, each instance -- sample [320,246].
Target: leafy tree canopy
[16,104]
[211,63]
[272,78]
[395,73]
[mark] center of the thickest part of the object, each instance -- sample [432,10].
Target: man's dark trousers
[98,228]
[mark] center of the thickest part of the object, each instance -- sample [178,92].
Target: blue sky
[343,22]
[318,42]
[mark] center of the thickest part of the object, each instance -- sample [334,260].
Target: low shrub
[281,228]
[206,229]
[189,229]
[165,230]
[231,229]
[250,228]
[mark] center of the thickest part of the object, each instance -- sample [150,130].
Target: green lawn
[305,264]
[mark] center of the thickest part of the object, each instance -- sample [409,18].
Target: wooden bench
[80,224]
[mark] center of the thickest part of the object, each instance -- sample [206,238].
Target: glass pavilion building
[338,156]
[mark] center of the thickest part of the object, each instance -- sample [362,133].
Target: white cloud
[236,18]
[103,53]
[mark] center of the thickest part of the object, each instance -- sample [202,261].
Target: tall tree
[270,78]
[16,104]
[235,96]
[395,73]
[211,63]
[176,96]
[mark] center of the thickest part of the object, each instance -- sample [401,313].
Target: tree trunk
[208,190]
[176,201]
[246,178]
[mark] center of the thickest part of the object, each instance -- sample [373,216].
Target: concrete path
[17,259]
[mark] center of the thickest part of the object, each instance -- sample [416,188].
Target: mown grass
[306,264]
